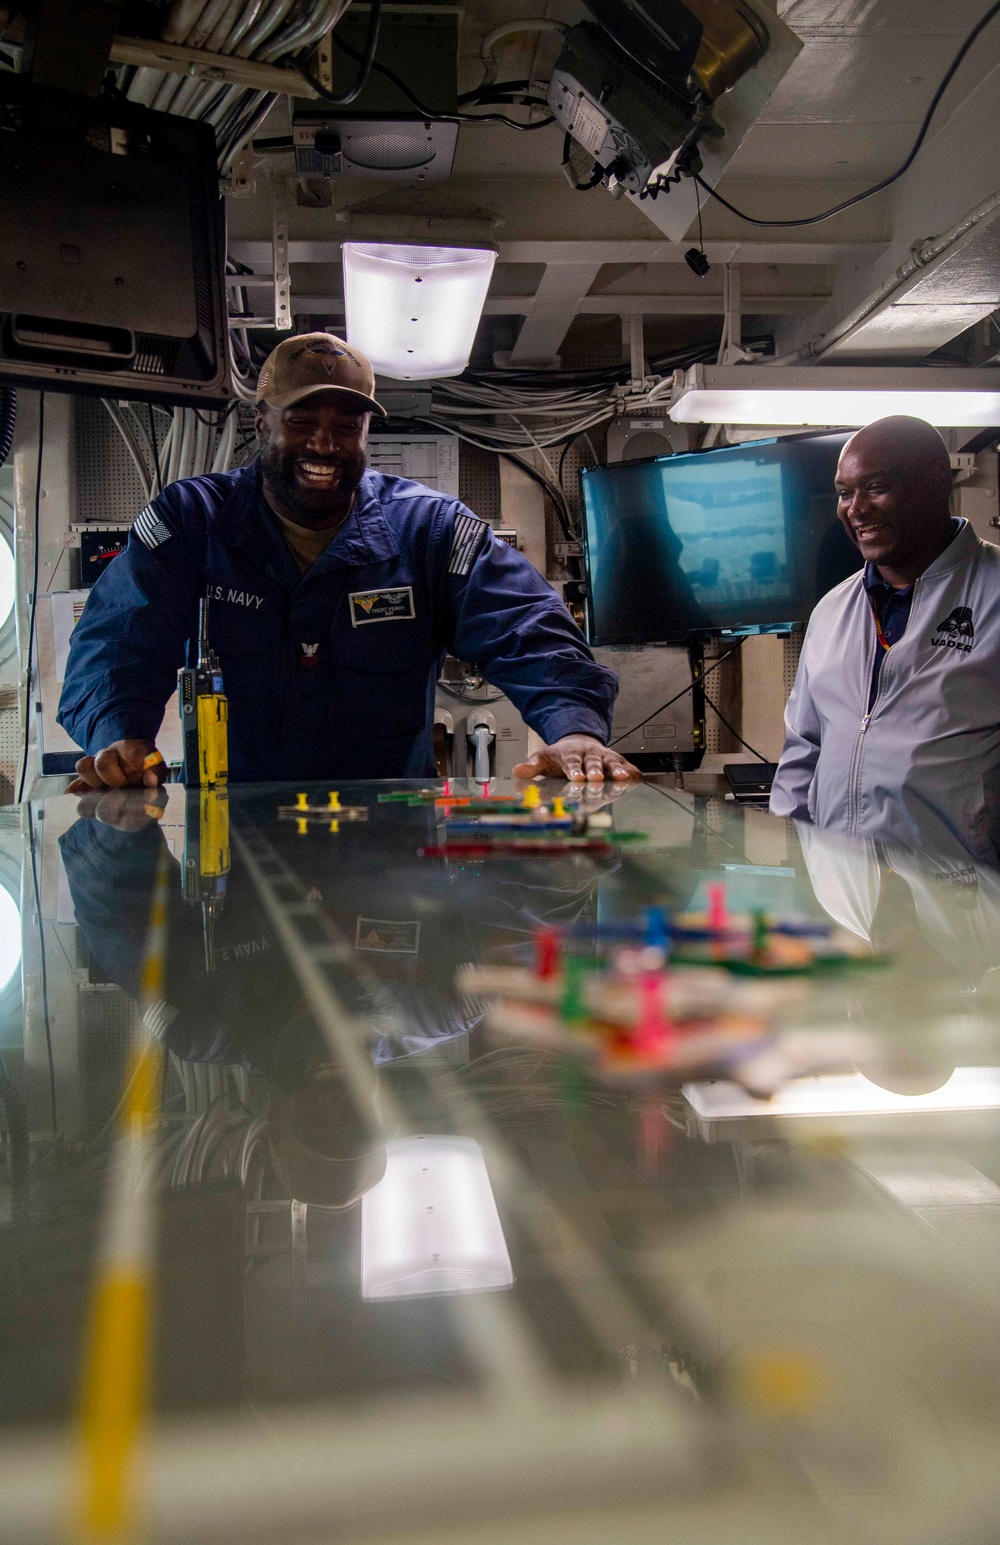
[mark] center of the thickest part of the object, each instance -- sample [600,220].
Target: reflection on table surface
[279,1214]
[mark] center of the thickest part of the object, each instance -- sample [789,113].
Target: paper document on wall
[67,609]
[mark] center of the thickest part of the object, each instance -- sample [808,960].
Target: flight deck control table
[690,1315]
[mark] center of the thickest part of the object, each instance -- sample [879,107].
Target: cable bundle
[270,31]
[193,444]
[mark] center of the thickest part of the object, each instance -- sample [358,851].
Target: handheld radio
[206,859]
[204,713]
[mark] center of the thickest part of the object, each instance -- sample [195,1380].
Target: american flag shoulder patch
[159,1017]
[468,537]
[150,529]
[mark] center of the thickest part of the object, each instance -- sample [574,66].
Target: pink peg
[718,911]
[654,1025]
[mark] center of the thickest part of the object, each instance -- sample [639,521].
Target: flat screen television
[112,249]
[741,539]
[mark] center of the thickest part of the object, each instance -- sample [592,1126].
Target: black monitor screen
[741,538]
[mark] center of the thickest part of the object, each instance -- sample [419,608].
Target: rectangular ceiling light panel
[431,1224]
[414,310]
[835,396]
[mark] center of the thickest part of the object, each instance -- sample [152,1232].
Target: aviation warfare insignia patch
[394,605]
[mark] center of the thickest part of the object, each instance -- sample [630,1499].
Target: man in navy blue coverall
[334,593]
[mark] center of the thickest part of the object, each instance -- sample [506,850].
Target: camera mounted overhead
[636,91]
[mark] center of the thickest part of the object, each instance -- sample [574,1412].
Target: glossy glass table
[292,1250]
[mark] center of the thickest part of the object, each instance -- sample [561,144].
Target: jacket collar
[961,549]
[364,538]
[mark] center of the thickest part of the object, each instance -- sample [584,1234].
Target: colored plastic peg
[303,825]
[302,801]
[546,952]
[447,786]
[334,800]
[532,798]
[573,1006]
[653,1025]
[758,943]
[335,826]
[657,931]
[718,911]
[558,808]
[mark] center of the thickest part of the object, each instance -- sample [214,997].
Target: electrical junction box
[649,675]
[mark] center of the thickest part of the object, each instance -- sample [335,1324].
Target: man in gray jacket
[893,725]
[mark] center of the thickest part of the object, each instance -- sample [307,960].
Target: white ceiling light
[414,310]
[431,1224]
[834,395]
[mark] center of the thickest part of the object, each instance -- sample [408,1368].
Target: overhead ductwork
[948,283]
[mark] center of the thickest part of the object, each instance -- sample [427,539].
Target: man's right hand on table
[119,766]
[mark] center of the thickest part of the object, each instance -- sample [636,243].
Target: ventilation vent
[154,356]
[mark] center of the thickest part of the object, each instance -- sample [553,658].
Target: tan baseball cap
[317,362]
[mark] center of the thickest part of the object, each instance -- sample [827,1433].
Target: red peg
[546,952]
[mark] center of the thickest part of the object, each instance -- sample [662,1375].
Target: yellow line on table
[114,1404]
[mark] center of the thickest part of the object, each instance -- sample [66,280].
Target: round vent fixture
[648,442]
[385,151]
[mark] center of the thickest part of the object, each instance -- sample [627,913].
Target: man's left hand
[581,758]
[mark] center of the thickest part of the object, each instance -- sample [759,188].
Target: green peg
[572,1006]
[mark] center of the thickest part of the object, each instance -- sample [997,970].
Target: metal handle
[481,737]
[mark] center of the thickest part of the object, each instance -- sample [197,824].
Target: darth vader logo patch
[381,605]
[956,631]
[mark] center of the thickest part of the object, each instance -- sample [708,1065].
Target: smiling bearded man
[334,594]
[893,725]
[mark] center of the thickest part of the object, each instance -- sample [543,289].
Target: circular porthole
[10,939]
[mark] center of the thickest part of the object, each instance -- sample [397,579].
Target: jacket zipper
[853,792]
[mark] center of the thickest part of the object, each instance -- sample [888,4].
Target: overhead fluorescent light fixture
[414,310]
[431,1224]
[834,396]
[845,1094]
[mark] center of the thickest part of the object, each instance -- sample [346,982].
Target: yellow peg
[532,798]
[559,809]
[335,826]
[334,800]
[302,801]
[303,825]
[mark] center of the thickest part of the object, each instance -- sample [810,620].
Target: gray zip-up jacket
[922,769]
